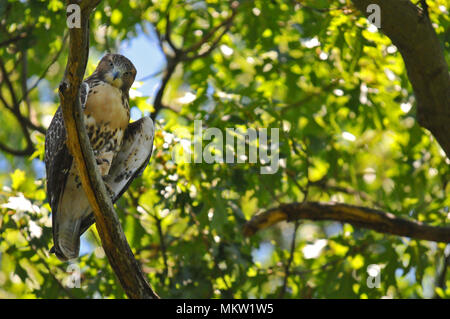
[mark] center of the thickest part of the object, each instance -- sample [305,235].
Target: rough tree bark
[108,225]
[411,31]
[358,216]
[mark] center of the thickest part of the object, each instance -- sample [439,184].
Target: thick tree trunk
[410,29]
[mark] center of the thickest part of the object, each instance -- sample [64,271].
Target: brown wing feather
[58,160]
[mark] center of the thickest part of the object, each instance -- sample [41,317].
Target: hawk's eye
[111,64]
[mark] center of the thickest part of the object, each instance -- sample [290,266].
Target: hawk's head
[117,70]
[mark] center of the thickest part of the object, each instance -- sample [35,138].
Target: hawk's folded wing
[130,162]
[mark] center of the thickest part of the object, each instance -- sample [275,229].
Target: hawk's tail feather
[58,254]
[67,244]
[67,239]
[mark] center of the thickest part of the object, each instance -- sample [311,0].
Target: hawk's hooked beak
[114,77]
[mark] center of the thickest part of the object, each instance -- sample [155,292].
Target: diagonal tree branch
[214,30]
[44,73]
[410,29]
[108,225]
[21,118]
[27,151]
[213,45]
[440,281]
[170,69]
[168,31]
[15,109]
[364,217]
[16,38]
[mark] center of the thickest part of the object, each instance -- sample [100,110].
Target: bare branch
[358,216]
[29,150]
[26,121]
[326,185]
[211,32]
[171,66]
[8,82]
[108,225]
[441,277]
[321,10]
[287,266]
[44,73]
[168,34]
[212,46]
[15,109]
[24,76]
[309,96]
[181,55]
[13,39]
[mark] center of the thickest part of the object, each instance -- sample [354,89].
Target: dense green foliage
[339,93]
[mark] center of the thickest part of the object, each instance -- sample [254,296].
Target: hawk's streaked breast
[107,115]
[108,104]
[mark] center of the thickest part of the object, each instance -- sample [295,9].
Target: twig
[171,66]
[20,117]
[151,75]
[182,55]
[23,78]
[107,25]
[9,84]
[350,252]
[441,278]
[326,185]
[287,267]
[305,191]
[309,97]
[320,10]
[168,35]
[25,152]
[213,45]
[207,244]
[108,225]
[44,73]
[162,242]
[16,38]
[211,32]
[163,246]
[15,109]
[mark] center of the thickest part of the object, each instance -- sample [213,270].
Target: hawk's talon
[101,161]
[108,189]
[103,166]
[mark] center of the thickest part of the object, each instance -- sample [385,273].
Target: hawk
[122,151]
